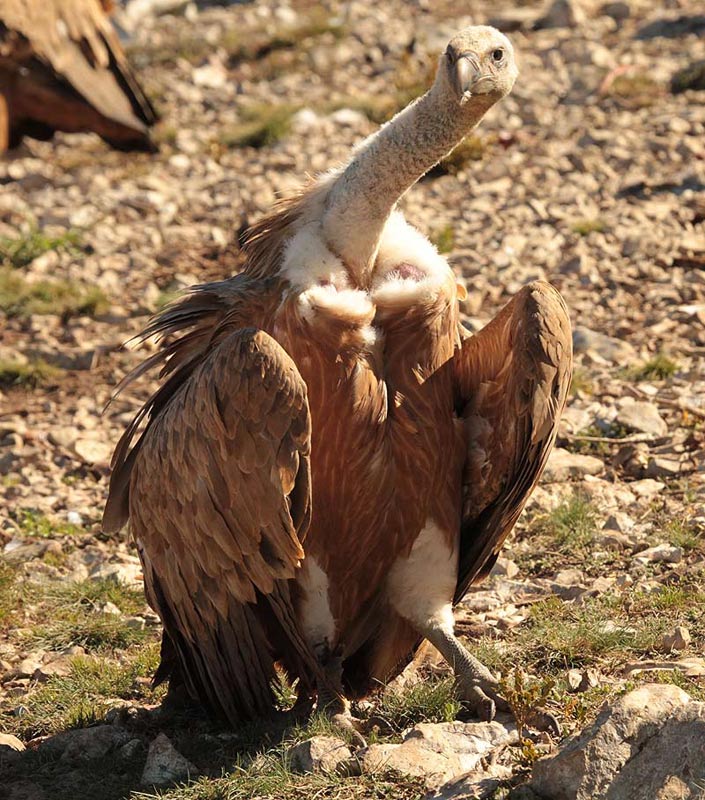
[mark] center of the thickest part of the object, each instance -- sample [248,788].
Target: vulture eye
[498,54]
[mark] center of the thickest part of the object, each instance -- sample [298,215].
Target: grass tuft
[20,298]
[29,374]
[9,591]
[581,382]
[571,525]
[250,45]
[21,250]
[561,635]
[427,701]
[683,532]
[32,523]
[690,78]
[472,148]
[269,777]
[71,614]
[659,367]
[584,227]
[634,91]
[83,696]
[262,125]
[444,239]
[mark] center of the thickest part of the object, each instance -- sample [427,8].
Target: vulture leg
[477,686]
[332,700]
[512,380]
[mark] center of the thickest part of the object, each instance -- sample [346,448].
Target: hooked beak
[466,76]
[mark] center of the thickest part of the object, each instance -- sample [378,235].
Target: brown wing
[186,330]
[513,379]
[62,68]
[219,502]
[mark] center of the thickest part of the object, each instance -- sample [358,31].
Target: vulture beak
[466,74]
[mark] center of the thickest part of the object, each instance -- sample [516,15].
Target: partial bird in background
[331,460]
[62,68]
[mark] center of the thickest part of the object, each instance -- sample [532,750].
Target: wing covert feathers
[219,501]
[62,68]
[513,379]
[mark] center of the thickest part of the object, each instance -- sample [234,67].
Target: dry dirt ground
[591,175]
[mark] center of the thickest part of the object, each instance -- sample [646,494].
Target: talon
[478,702]
[350,725]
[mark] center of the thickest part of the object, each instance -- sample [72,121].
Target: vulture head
[479,61]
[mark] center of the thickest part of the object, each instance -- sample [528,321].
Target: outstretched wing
[64,69]
[513,378]
[219,502]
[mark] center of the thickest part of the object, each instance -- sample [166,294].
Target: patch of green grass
[676,598]
[581,382]
[602,632]
[262,125]
[20,298]
[93,593]
[94,630]
[253,44]
[80,698]
[562,635]
[21,250]
[167,296]
[256,45]
[580,708]
[32,523]
[607,629]
[634,90]
[472,148]
[659,367]
[165,134]
[676,678]
[186,43]
[431,700]
[683,532]
[588,448]
[9,591]
[444,239]
[571,525]
[691,78]
[584,227]
[71,614]
[31,374]
[269,777]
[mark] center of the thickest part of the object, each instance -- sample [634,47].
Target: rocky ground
[591,175]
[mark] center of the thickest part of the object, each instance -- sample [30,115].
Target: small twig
[637,437]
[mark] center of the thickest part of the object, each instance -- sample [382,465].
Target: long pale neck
[387,164]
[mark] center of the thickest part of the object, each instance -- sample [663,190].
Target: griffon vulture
[331,460]
[62,69]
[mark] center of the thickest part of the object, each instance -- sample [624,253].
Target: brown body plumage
[62,69]
[331,460]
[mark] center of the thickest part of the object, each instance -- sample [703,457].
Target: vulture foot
[333,703]
[350,726]
[478,688]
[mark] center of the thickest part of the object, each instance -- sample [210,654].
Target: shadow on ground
[106,761]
